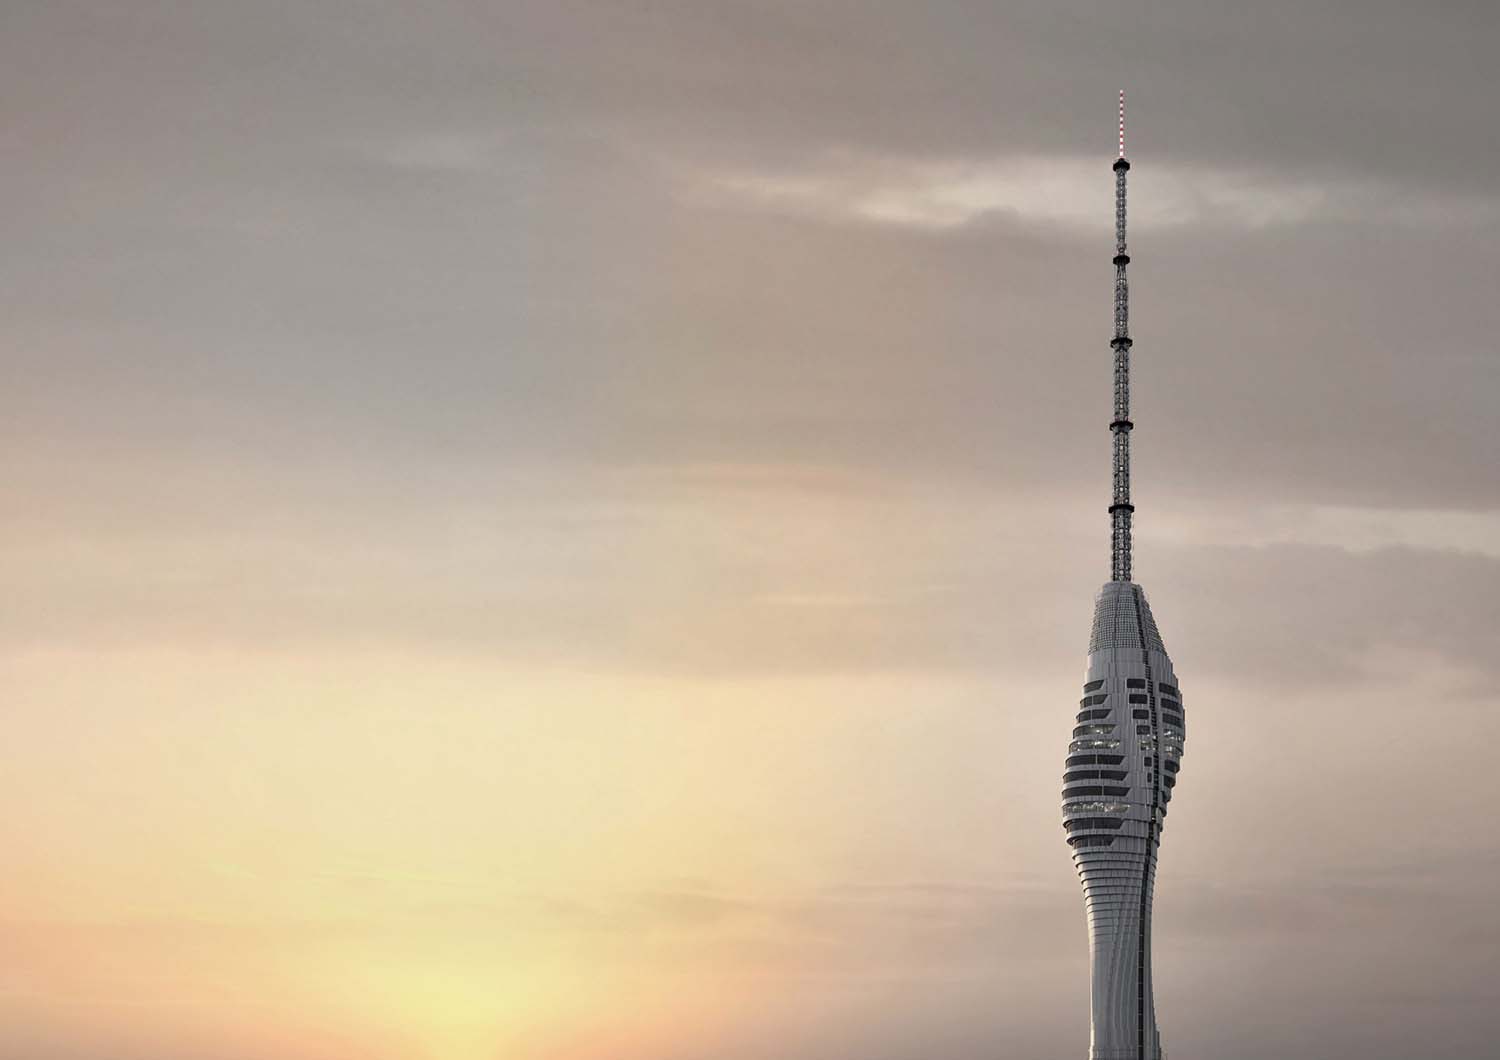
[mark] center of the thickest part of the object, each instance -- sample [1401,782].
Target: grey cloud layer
[757,570]
[337,230]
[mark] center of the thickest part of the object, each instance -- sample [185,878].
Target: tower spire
[1122,123]
[1120,508]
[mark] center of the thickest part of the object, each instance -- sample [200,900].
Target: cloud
[936,196]
[735,571]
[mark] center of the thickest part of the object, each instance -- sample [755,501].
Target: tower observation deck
[1126,749]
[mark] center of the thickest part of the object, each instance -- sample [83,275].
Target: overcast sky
[566,530]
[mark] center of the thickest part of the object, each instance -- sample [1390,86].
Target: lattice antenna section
[1120,508]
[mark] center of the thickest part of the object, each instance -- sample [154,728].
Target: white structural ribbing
[1126,747]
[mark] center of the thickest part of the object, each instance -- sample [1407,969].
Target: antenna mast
[1120,509]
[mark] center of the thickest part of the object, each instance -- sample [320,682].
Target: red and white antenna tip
[1122,123]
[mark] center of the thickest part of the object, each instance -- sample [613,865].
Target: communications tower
[1126,749]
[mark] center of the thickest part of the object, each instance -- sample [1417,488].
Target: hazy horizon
[567,530]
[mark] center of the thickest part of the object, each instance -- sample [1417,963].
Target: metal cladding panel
[1122,619]
[1116,839]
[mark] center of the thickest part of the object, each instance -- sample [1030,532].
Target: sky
[567,530]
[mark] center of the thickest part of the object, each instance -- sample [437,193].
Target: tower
[1127,746]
